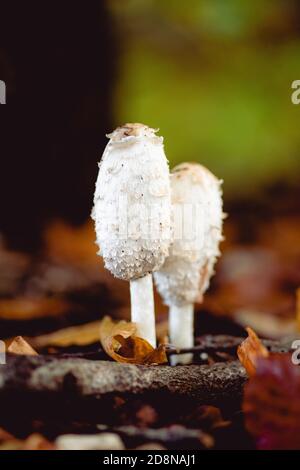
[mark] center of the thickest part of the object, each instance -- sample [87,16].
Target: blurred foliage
[215,76]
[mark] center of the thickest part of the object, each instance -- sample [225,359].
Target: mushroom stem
[142,307]
[181,329]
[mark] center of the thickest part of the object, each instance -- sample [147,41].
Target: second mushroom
[197,225]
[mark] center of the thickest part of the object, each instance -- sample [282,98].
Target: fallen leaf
[119,341]
[20,346]
[250,350]
[79,335]
[272,403]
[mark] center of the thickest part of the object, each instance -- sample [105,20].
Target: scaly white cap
[197,209]
[132,203]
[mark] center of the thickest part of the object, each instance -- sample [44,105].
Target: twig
[210,344]
[225,343]
[97,379]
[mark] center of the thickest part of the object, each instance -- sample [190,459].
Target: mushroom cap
[197,218]
[132,203]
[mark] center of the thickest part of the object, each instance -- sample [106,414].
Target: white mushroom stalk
[197,224]
[132,209]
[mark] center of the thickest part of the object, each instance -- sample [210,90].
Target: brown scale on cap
[131,130]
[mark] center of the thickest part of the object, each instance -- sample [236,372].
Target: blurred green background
[215,77]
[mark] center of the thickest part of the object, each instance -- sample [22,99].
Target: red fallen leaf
[250,350]
[272,403]
[119,341]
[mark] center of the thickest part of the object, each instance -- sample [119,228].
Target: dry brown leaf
[120,342]
[20,346]
[250,350]
[24,308]
[79,335]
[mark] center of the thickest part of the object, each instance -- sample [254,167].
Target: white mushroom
[197,224]
[132,208]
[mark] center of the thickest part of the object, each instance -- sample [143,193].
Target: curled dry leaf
[250,350]
[119,341]
[20,346]
[272,403]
